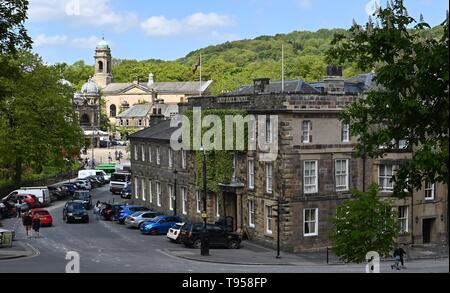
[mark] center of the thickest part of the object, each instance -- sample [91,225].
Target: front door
[427,225]
[230,208]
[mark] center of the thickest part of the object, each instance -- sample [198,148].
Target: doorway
[427,227]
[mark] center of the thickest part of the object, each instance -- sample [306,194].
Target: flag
[199,63]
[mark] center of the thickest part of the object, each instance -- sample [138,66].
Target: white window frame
[251,174]
[198,201]
[143,153]
[403,219]
[339,173]
[183,159]
[136,187]
[170,193]
[184,200]
[251,213]
[217,207]
[150,191]
[430,190]
[170,153]
[143,188]
[269,132]
[269,178]
[135,149]
[158,193]
[345,132]
[269,219]
[382,179]
[158,156]
[315,221]
[306,131]
[315,185]
[150,154]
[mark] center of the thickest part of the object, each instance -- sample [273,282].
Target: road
[108,247]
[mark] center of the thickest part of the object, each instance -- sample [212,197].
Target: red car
[44,216]
[30,199]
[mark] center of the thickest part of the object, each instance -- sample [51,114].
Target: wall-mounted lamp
[417,220]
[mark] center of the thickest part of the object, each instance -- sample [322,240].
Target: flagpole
[201,68]
[282,68]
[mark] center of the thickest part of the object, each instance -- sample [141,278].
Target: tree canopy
[411,103]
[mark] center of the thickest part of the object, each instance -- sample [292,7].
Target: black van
[190,236]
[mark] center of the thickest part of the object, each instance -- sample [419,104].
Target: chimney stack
[334,82]
[261,85]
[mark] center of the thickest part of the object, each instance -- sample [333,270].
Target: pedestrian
[110,157]
[399,252]
[86,162]
[19,208]
[93,163]
[97,210]
[36,225]
[116,153]
[27,221]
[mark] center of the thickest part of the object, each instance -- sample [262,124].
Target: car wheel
[197,244]
[140,225]
[154,232]
[233,244]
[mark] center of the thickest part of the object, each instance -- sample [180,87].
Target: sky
[68,30]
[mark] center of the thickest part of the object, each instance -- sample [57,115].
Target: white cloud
[43,40]
[161,26]
[304,3]
[95,13]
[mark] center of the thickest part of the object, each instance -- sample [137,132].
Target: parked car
[59,191]
[85,197]
[71,188]
[94,181]
[110,212]
[75,211]
[130,209]
[126,192]
[174,232]
[83,184]
[7,209]
[218,237]
[44,216]
[29,199]
[159,225]
[41,193]
[138,218]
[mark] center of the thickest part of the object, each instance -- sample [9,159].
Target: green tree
[37,120]
[363,224]
[13,34]
[411,103]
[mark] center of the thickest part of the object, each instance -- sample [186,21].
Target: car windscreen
[139,209]
[137,214]
[81,195]
[75,207]
[177,226]
[120,177]
[42,213]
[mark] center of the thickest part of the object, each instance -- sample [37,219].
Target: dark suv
[190,236]
[84,197]
[75,211]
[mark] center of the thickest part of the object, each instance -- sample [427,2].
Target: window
[158,157]
[121,122]
[150,191]
[143,153]
[310,218]
[306,131]
[185,199]
[135,149]
[143,190]
[310,177]
[140,122]
[183,159]
[150,154]
[251,213]
[345,132]
[234,165]
[403,218]
[136,187]
[429,191]
[269,182]
[341,172]
[128,122]
[199,201]
[158,193]
[171,196]
[268,130]
[217,207]
[112,111]
[170,157]
[269,219]
[251,174]
[385,173]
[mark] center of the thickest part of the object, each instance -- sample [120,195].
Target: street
[108,247]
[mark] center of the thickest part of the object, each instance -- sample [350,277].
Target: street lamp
[204,236]
[175,172]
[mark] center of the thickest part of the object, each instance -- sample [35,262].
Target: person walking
[36,225]
[110,157]
[97,210]
[18,206]
[117,155]
[27,221]
[399,252]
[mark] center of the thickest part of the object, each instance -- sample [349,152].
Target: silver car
[138,218]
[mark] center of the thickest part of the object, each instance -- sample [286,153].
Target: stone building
[139,116]
[315,170]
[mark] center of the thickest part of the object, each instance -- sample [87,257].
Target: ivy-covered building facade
[315,168]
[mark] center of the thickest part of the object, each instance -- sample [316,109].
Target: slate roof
[160,131]
[136,111]
[188,87]
[293,86]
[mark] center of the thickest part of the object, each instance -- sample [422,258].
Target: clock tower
[103,64]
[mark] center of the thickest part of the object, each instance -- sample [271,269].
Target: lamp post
[175,172]
[204,237]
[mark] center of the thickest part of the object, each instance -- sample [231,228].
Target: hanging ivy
[219,163]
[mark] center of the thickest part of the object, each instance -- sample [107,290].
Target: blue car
[129,210]
[159,225]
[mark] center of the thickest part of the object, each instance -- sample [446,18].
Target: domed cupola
[90,88]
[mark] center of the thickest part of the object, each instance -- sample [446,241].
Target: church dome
[103,44]
[90,87]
